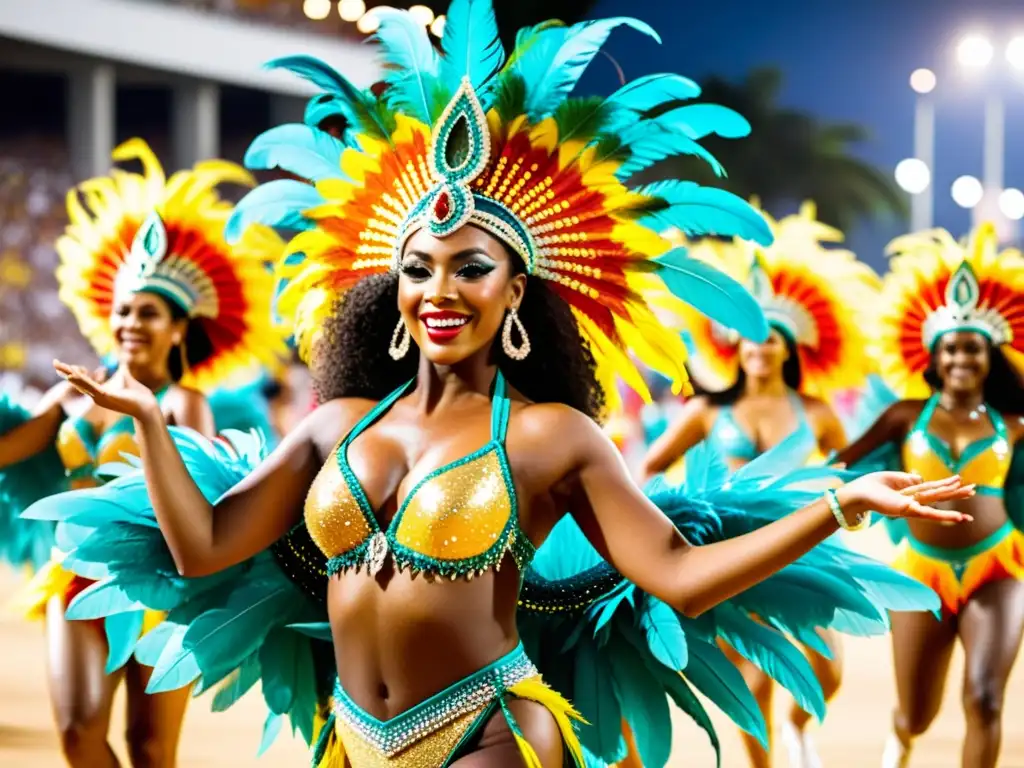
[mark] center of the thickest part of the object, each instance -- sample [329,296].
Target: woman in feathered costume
[153,285]
[471,267]
[816,300]
[951,345]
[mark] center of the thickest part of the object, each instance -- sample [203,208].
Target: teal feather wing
[216,626]
[306,151]
[773,654]
[712,293]
[25,541]
[362,107]
[471,44]
[697,210]
[698,121]
[645,706]
[554,63]
[1014,489]
[278,203]
[413,66]
[718,679]
[643,94]
[649,141]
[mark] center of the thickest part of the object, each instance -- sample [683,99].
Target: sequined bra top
[459,520]
[81,451]
[730,441]
[984,462]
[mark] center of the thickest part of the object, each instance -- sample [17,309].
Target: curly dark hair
[352,360]
[1003,388]
[198,346]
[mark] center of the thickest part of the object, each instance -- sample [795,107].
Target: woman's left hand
[901,494]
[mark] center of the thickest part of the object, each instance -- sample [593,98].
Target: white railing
[179,40]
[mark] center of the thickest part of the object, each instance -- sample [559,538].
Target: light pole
[922,196]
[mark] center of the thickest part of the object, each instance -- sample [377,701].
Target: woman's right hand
[121,393]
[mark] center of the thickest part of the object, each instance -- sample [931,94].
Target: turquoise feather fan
[26,542]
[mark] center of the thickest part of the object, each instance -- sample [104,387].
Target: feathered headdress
[817,296]
[131,232]
[936,285]
[468,136]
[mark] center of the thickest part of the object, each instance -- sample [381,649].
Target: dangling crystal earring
[399,341]
[513,352]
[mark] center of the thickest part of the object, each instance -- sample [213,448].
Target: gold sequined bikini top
[459,520]
[985,462]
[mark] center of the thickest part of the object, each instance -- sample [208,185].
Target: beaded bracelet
[837,512]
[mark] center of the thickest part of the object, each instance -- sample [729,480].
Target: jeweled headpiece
[131,233]
[817,296]
[466,137]
[936,285]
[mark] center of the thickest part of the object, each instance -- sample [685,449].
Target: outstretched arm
[39,432]
[206,538]
[891,427]
[681,436]
[634,536]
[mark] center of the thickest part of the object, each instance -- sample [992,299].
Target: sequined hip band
[429,733]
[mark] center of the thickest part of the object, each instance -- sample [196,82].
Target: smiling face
[453,292]
[763,361]
[145,331]
[962,361]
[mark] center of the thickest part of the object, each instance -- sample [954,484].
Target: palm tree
[790,156]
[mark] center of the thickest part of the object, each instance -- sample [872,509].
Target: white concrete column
[92,102]
[196,122]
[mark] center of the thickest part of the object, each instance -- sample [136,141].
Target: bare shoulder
[328,423]
[179,397]
[817,408]
[1015,424]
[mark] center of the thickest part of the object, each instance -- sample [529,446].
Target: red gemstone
[442,207]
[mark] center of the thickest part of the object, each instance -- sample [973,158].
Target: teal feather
[697,210]
[471,44]
[774,655]
[712,293]
[122,631]
[711,673]
[362,107]
[644,706]
[554,63]
[413,66]
[26,541]
[323,106]
[684,698]
[651,91]
[278,203]
[243,408]
[1013,491]
[581,119]
[239,684]
[307,152]
[698,121]
[649,142]
[665,637]
[594,696]
[271,729]
[320,630]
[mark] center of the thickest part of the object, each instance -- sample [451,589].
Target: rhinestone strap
[426,718]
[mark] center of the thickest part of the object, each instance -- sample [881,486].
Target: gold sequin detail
[110,449]
[430,751]
[989,468]
[73,452]
[333,516]
[459,513]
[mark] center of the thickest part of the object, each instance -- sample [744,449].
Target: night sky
[843,61]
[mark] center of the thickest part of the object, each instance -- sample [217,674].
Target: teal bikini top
[459,520]
[729,440]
